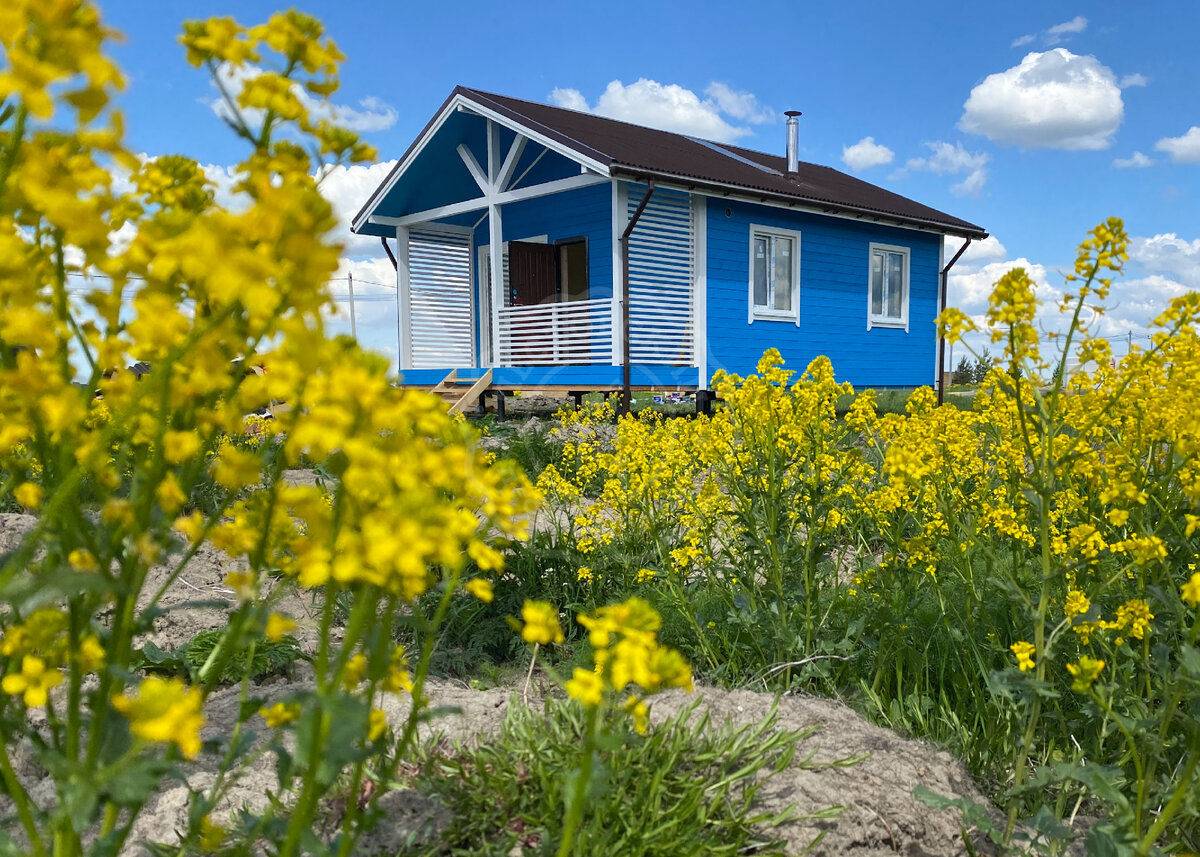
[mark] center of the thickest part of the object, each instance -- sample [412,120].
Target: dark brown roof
[641,152]
[637,152]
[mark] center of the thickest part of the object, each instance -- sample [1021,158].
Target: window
[887,290]
[774,274]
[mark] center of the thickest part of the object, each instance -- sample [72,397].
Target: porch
[527,276]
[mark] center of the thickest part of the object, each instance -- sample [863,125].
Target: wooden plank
[473,394]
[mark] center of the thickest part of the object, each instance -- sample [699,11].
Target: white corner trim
[759,314]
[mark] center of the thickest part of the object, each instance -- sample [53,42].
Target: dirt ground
[880,815]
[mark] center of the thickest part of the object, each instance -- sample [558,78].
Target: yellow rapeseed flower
[540,623]
[1190,591]
[29,495]
[376,725]
[1077,604]
[1084,672]
[164,711]
[277,626]
[33,682]
[1024,652]
[585,686]
[481,589]
[280,713]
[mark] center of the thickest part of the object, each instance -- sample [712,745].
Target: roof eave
[818,205]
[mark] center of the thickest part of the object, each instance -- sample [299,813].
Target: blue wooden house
[544,248]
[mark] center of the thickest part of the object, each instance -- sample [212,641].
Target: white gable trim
[462,102]
[482,202]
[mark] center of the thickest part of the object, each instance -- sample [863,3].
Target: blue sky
[1034,120]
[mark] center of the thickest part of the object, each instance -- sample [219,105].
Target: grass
[698,782]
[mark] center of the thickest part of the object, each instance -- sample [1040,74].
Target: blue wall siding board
[833,298]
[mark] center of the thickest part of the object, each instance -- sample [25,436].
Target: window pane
[895,282]
[760,271]
[783,273]
[876,284]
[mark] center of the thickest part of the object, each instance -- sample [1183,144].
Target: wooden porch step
[451,390]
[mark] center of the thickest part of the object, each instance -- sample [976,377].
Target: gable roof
[640,153]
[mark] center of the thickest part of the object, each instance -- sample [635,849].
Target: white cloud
[1160,268]
[740,105]
[1183,150]
[1137,159]
[347,188]
[1054,35]
[1167,253]
[988,250]
[953,159]
[672,107]
[1132,80]
[572,99]
[1056,100]
[372,114]
[866,153]
[1059,32]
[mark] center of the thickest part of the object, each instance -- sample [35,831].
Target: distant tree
[983,365]
[964,373]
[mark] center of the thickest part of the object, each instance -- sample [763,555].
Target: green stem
[579,794]
[19,796]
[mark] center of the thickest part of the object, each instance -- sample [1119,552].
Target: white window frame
[757,313]
[887,320]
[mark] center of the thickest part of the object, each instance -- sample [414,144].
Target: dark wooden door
[532,274]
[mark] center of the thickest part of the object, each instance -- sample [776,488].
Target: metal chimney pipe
[793,141]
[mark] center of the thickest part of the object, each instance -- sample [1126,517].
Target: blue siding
[833,298]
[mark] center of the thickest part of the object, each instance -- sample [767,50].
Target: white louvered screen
[661,279]
[442,325]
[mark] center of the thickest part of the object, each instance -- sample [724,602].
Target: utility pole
[353,324]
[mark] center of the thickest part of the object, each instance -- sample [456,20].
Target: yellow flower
[481,589]
[1193,522]
[639,711]
[211,834]
[1086,671]
[376,725]
[242,583]
[583,574]
[33,681]
[398,677]
[585,686]
[277,626]
[170,496]
[540,623]
[356,671]
[280,713]
[1077,604]
[29,495]
[1135,613]
[82,560]
[1190,591]
[165,711]
[645,574]
[1024,652]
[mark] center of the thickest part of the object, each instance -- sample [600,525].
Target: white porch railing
[575,332]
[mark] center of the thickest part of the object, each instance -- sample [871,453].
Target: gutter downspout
[941,354]
[627,393]
[391,255]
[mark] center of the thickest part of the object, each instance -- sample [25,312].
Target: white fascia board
[461,102]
